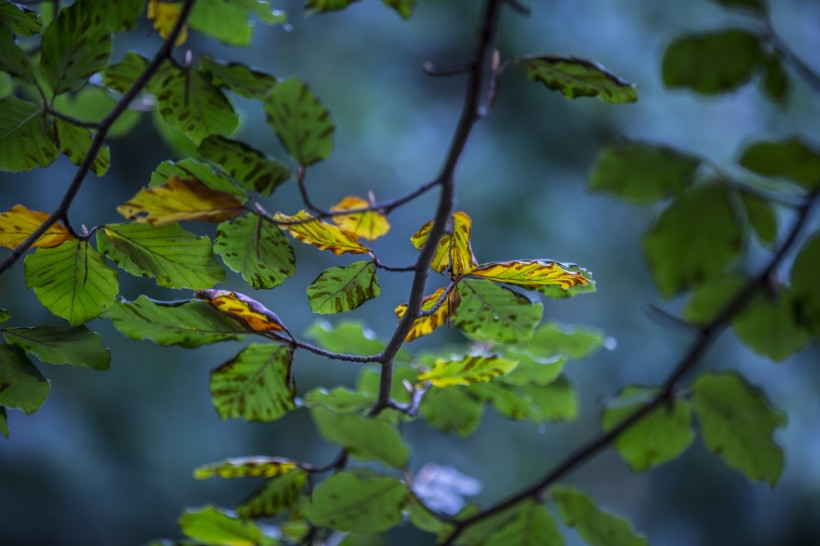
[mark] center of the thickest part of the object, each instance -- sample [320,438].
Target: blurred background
[109,458]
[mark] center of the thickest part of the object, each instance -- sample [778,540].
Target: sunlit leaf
[532,525]
[248,312]
[72,281]
[256,385]
[368,225]
[804,282]
[467,370]
[425,325]
[238,77]
[453,252]
[18,223]
[22,386]
[227,20]
[596,527]
[249,167]
[531,274]
[320,234]
[165,16]
[340,400]
[344,288]
[215,179]
[275,496]
[212,526]
[362,437]
[171,255]
[77,346]
[761,215]
[246,467]
[494,313]
[257,249]
[75,143]
[769,325]
[180,199]
[556,292]
[24,141]
[791,158]
[301,122]
[22,20]
[556,401]
[553,339]
[576,77]
[451,411]
[737,423]
[360,502]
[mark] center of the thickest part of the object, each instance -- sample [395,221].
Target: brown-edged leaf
[425,325]
[320,234]
[248,312]
[467,370]
[454,245]
[180,199]
[20,222]
[529,273]
[246,467]
[368,225]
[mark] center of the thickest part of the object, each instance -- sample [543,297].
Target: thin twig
[72,120]
[441,299]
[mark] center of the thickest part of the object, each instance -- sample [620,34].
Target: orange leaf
[320,234]
[164,15]
[425,325]
[250,313]
[453,246]
[180,199]
[20,222]
[529,273]
[368,225]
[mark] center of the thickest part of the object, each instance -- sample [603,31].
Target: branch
[103,127]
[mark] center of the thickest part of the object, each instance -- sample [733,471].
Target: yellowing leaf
[368,225]
[20,222]
[320,234]
[425,325]
[180,199]
[454,250]
[250,313]
[529,273]
[164,15]
[246,467]
[468,370]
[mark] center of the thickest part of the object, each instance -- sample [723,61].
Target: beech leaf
[790,158]
[239,78]
[576,77]
[451,411]
[256,249]
[320,234]
[246,467]
[248,312]
[531,525]
[453,246]
[342,289]
[249,167]
[491,312]
[24,140]
[17,224]
[804,282]
[278,494]
[368,225]
[467,370]
[77,346]
[301,122]
[75,142]
[425,325]
[595,526]
[532,274]
[209,525]
[22,386]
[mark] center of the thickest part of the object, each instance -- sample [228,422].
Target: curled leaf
[320,234]
[425,325]
[530,273]
[467,370]
[246,467]
[368,225]
[248,312]
[578,78]
[164,16]
[454,250]
[18,223]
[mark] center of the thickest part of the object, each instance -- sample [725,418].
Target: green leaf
[13,60]
[250,168]
[191,168]
[246,467]
[804,282]
[597,528]
[791,158]
[642,173]
[22,386]
[346,336]
[301,122]
[494,313]
[275,496]
[402,7]
[737,423]
[340,400]
[24,142]
[532,525]
[227,20]
[75,142]
[364,438]
[451,411]
[756,6]
[326,5]
[422,518]
[695,238]
[555,339]
[256,249]
[5,315]
[342,289]
[238,77]
[709,298]
[557,292]
[775,83]
[62,345]
[22,20]
[171,255]
[121,76]
[467,370]
[762,217]
[7,85]
[369,380]
[118,15]
[532,370]
[556,401]
[477,534]
[92,104]
[212,526]
[74,47]
[509,402]
[769,325]
[660,436]
[360,502]
[72,281]
[4,422]
[186,323]
[256,385]
[712,63]
[578,78]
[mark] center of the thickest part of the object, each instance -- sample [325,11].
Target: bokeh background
[108,460]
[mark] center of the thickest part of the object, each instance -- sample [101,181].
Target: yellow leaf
[425,325]
[468,370]
[529,273]
[246,467]
[20,222]
[164,15]
[452,247]
[320,234]
[180,199]
[250,313]
[368,225]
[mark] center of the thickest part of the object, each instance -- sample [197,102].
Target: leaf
[532,369]
[737,423]
[74,46]
[22,20]
[72,281]
[180,199]
[246,311]
[368,225]
[596,527]
[423,326]
[165,16]
[422,518]
[451,411]
[576,77]
[342,289]
[212,526]
[369,382]
[769,325]
[257,249]
[4,422]
[75,142]
[709,298]
[364,438]
[301,122]
[804,282]
[495,313]
[275,496]
[661,435]
[121,76]
[13,60]
[712,63]
[62,345]
[256,385]
[118,15]
[641,173]
[227,20]
[531,274]
[246,467]
[477,533]
[238,77]
[761,216]
[340,400]
[326,5]
[173,256]
[17,224]
[556,292]
[553,339]
[509,402]
[351,337]
[22,386]
[358,502]
[402,7]
[191,168]
[791,158]
[92,104]
[467,370]
[454,245]
[187,323]
[756,6]
[320,234]
[250,168]
[532,525]
[556,401]
[24,142]
[682,252]
[775,83]
[5,315]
